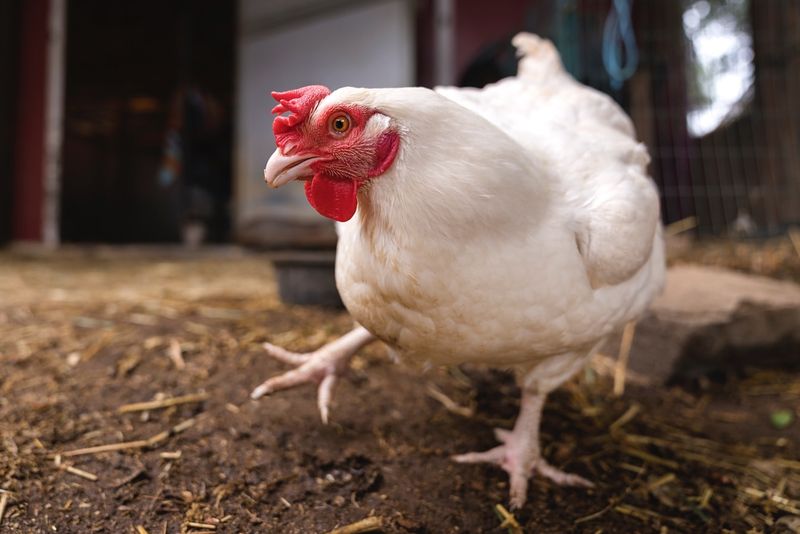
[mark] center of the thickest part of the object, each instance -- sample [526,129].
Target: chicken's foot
[323,366]
[519,455]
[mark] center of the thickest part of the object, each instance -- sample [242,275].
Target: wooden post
[54,121]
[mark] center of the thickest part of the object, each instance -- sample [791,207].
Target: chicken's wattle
[335,198]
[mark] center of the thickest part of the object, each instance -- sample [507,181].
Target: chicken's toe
[321,367]
[286,356]
[512,460]
[492,456]
[560,477]
[302,375]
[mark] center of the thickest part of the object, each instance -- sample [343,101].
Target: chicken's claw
[512,459]
[286,356]
[519,455]
[322,367]
[319,367]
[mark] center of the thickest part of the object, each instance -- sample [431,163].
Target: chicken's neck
[456,197]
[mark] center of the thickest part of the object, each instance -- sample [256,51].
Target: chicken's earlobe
[386,150]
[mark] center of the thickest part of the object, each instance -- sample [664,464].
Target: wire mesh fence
[716,99]
[714,95]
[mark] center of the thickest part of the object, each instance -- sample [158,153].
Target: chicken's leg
[323,366]
[519,455]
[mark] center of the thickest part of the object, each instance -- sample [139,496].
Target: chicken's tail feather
[539,57]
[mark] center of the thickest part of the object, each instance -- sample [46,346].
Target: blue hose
[620,54]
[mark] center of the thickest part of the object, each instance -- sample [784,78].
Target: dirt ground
[83,335]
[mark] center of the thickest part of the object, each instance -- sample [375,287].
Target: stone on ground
[711,319]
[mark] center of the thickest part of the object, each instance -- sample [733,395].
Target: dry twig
[678,227]
[205,526]
[369,524]
[138,444]
[794,236]
[666,479]
[646,515]
[625,418]
[80,472]
[509,521]
[449,404]
[650,458]
[622,359]
[163,403]
[174,353]
[3,504]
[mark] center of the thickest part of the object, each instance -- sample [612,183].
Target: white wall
[360,44]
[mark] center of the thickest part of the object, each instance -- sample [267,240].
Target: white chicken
[514,226]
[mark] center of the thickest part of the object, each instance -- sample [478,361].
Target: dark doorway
[147,138]
[9,49]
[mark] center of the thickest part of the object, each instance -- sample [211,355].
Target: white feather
[517,224]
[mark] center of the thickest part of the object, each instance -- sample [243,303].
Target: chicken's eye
[339,124]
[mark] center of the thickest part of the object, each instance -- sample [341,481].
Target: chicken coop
[142,155]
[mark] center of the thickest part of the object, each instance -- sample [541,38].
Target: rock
[710,319]
[705,295]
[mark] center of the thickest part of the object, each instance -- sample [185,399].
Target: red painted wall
[479,22]
[28,186]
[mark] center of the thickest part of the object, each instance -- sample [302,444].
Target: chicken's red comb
[299,102]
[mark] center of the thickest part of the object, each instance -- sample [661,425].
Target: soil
[83,334]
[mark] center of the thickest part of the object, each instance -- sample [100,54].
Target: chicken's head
[335,147]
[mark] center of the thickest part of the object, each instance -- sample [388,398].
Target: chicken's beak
[282,169]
